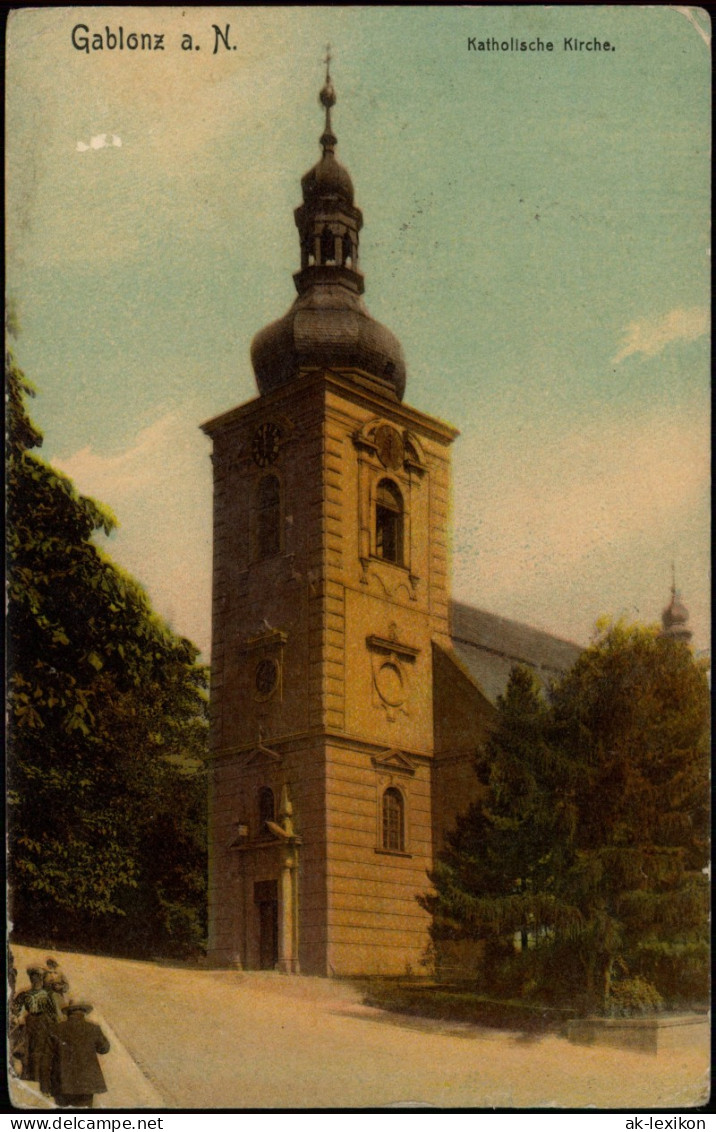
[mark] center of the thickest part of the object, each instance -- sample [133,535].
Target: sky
[536,233]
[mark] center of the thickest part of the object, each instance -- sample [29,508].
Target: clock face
[266,444]
[266,677]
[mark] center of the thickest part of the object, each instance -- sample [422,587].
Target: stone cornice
[299,740]
[344,384]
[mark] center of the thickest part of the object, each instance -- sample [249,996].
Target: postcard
[357,378]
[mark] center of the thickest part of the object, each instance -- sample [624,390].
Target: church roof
[489,646]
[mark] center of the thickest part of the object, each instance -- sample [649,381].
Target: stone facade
[322,682]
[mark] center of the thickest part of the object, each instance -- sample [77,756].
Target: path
[225,1039]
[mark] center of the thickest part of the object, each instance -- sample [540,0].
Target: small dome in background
[675,617]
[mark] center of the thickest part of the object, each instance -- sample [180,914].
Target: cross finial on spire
[673,580]
[327,98]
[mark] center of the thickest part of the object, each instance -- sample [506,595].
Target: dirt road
[222,1039]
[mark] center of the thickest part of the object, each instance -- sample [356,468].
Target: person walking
[11,970]
[36,1007]
[55,982]
[16,1032]
[76,1072]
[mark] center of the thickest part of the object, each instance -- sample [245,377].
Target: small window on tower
[268,517]
[393,820]
[328,246]
[389,523]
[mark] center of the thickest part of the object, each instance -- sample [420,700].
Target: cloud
[562,532]
[99,141]
[649,336]
[115,477]
[160,490]
[593,489]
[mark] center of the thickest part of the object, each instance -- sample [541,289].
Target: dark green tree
[634,715]
[581,864]
[107,726]
[496,879]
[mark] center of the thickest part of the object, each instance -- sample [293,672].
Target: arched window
[393,820]
[268,517]
[266,807]
[328,246]
[389,523]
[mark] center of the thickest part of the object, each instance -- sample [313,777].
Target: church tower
[675,618]
[330,593]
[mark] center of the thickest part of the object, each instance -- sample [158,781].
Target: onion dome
[328,324]
[327,179]
[675,618]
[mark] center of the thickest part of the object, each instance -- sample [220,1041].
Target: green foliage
[107,725]
[630,997]
[459,1002]
[681,969]
[584,858]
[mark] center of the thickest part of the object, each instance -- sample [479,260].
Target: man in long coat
[76,1072]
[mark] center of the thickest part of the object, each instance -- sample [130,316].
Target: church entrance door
[266,898]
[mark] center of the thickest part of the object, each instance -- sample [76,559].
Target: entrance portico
[267,937]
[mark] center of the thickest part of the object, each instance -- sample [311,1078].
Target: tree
[591,837]
[495,880]
[634,712]
[107,725]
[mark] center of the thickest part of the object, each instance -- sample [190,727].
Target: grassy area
[460,1003]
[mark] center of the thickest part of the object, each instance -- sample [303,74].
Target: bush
[633,997]
[680,971]
[461,1002]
